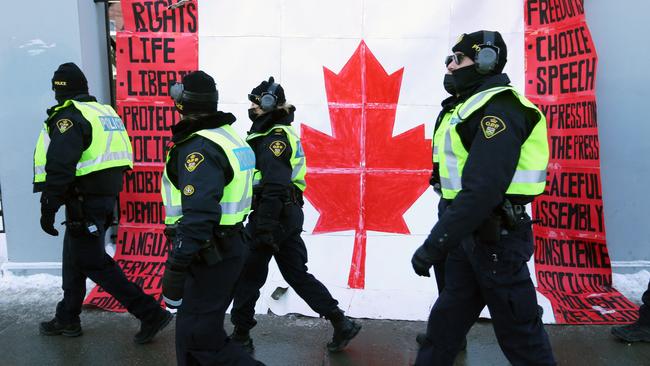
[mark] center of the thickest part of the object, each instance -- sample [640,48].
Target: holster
[215,249]
[490,230]
[211,253]
[76,220]
[507,216]
[295,196]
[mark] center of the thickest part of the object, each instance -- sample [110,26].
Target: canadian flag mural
[366,78]
[362,178]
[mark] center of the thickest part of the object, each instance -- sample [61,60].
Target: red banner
[157,47]
[571,260]
[140,202]
[151,62]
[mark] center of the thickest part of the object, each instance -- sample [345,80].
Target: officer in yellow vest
[276,222]
[207,192]
[78,162]
[492,154]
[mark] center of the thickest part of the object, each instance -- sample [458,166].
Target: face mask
[448,83]
[253,114]
[466,79]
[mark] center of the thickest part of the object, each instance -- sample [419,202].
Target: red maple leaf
[362,178]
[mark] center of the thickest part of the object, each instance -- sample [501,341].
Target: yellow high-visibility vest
[110,146]
[297,161]
[530,176]
[237,195]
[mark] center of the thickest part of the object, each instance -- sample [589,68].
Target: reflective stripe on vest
[110,146]
[237,195]
[530,175]
[297,161]
[438,136]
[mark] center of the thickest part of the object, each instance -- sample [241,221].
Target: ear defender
[178,93]
[268,100]
[487,57]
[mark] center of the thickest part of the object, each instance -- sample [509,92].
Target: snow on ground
[45,289]
[25,297]
[632,285]
[22,290]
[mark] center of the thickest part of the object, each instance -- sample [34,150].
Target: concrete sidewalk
[287,340]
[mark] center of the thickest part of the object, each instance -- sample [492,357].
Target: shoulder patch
[277,147]
[63,125]
[193,160]
[188,190]
[492,126]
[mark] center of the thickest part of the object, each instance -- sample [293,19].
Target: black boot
[635,332]
[422,340]
[243,338]
[344,330]
[54,327]
[151,326]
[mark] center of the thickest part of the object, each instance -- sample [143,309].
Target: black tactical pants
[84,256]
[496,275]
[644,310]
[439,267]
[200,337]
[291,260]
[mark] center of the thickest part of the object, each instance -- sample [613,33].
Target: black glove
[434,181]
[426,255]
[49,206]
[173,285]
[47,223]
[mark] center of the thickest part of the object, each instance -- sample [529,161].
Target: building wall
[32,46]
[622,95]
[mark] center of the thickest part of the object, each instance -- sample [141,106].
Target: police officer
[207,192]
[78,162]
[639,331]
[276,222]
[493,153]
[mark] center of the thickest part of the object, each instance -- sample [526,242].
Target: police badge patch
[492,126]
[277,147]
[188,190]
[63,125]
[193,160]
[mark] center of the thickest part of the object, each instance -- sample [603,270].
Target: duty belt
[518,209]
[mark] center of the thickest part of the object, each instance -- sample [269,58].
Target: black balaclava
[68,81]
[467,79]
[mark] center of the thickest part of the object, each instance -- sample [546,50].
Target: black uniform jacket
[200,169]
[491,163]
[273,158]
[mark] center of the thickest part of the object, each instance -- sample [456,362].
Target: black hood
[197,122]
[484,83]
[280,116]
